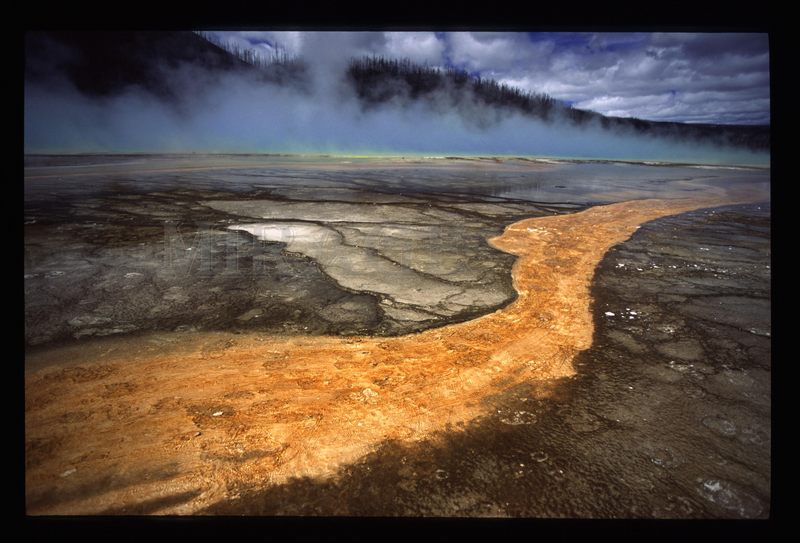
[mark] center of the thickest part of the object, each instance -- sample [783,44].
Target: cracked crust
[269,409]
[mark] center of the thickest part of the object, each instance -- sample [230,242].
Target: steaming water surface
[518,179]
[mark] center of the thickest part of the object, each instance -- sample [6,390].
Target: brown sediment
[175,423]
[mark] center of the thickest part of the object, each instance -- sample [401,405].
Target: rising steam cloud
[236,113]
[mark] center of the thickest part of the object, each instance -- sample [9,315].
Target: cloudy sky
[698,78]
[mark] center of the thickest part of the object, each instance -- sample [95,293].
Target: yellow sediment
[196,415]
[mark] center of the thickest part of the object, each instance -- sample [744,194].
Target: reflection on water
[606,183]
[482,180]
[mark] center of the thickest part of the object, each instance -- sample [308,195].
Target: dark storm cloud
[711,45]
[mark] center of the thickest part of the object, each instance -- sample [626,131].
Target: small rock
[69,472]
[540,456]
[216,413]
[198,434]
[369,393]
[519,417]
[720,425]
[609,314]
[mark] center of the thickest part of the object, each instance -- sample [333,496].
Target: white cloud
[467,50]
[421,47]
[290,41]
[497,53]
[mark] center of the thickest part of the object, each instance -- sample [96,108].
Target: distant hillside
[107,63]
[280,67]
[379,80]
[102,64]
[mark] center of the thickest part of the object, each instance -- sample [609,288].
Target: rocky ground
[666,415]
[177,252]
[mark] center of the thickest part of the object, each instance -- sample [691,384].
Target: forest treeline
[378,80]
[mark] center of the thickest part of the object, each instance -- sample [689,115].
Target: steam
[236,113]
